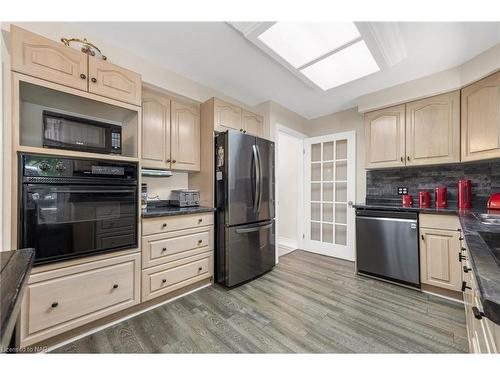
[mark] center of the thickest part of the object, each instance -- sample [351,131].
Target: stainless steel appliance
[80,134]
[387,246]
[75,207]
[185,198]
[245,228]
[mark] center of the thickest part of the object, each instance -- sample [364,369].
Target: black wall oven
[76,207]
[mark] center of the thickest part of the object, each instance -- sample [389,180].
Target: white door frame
[317,246]
[300,198]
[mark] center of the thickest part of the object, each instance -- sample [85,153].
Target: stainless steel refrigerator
[244,192]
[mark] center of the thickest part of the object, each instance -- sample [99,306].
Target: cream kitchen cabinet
[481,119]
[170,133]
[385,137]
[185,136]
[155,130]
[439,243]
[252,123]
[226,116]
[433,130]
[43,58]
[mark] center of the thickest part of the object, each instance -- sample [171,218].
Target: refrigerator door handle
[259,195]
[256,166]
[253,229]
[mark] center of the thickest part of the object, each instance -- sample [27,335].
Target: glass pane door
[329,187]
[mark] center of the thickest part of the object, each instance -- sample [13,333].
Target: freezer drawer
[250,251]
[387,247]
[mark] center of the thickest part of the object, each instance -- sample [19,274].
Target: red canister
[441,197]
[407,201]
[424,199]
[464,193]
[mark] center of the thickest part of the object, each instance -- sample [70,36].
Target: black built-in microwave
[80,134]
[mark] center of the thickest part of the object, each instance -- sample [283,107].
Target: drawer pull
[83,76]
[460,257]
[93,80]
[164,249]
[477,314]
[54,304]
[200,221]
[466,269]
[200,269]
[461,239]
[164,225]
[115,286]
[200,242]
[164,281]
[464,286]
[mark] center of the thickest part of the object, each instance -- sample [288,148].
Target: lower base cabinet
[60,299]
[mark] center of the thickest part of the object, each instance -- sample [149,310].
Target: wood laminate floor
[308,304]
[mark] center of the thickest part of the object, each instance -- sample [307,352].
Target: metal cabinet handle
[200,269]
[466,269]
[408,158]
[461,239]
[477,314]
[164,249]
[174,161]
[168,160]
[164,281]
[200,221]
[402,159]
[54,304]
[464,286]
[422,236]
[241,130]
[83,76]
[460,257]
[93,80]
[164,225]
[200,242]
[115,286]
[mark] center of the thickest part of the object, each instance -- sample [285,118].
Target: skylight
[302,42]
[329,54]
[350,63]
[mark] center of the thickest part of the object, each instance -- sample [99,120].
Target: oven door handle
[92,190]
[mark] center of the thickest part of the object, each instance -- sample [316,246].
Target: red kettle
[464,193]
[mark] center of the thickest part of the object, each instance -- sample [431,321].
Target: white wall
[289,165]
[349,119]
[162,186]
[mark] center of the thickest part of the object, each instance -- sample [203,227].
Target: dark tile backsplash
[484,175]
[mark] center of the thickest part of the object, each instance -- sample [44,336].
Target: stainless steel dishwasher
[387,246]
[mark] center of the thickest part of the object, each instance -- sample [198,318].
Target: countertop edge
[166,212]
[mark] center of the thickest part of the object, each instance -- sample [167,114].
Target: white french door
[329,190]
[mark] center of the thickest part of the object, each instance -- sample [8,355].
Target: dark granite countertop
[14,272]
[485,267]
[158,211]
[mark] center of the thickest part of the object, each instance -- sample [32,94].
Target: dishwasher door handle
[388,219]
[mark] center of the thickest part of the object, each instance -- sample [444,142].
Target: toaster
[185,198]
[494,202]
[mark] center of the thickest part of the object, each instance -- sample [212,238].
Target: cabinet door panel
[253,124]
[439,265]
[227,116]
[433,130]
[40,57]
[185,132]
[114,82]
[481,119]
[385,137]
[155,131]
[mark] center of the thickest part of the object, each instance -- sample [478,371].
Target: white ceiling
[217,55]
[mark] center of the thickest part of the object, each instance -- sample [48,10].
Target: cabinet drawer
[439,221]
[164,279]
[170,223]
[166,247]
[63,299]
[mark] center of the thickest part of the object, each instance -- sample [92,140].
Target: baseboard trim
[288,243]
[443,293]
[121,319]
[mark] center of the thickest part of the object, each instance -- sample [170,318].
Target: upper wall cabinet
[170,133]
[114,82]
[252,123]
[43,58]
[433,130]
[481,119]
[155,130]
[227,116]
[385,137]
[185,136]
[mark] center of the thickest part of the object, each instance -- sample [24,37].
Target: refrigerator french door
[245,227]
